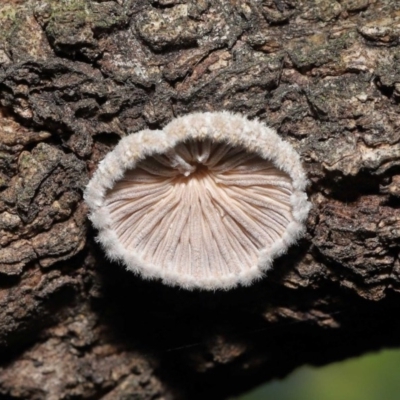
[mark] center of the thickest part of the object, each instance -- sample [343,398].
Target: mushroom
[208,202]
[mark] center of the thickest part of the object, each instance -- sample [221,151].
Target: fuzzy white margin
[233,129]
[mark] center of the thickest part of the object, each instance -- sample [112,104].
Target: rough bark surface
[77,75]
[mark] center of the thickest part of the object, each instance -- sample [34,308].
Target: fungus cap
[207,202]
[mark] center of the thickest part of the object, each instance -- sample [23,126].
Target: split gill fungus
[208,202]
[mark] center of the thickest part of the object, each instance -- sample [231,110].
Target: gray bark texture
[76,76]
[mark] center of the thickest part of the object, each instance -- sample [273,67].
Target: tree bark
[76,76]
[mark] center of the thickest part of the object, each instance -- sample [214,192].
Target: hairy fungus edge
[233,129]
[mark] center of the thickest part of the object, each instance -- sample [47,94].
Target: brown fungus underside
[201,208]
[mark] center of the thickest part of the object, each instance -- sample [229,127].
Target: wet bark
[76,75]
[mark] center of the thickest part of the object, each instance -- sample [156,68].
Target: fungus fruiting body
[207,202]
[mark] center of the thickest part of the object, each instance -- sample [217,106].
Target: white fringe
[198,234]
